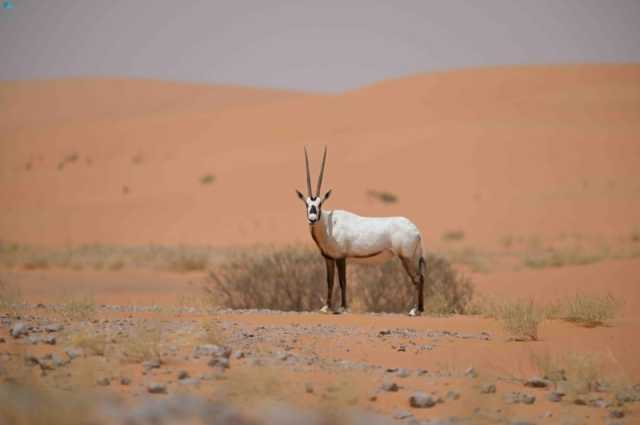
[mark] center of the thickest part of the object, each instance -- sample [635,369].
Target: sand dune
[521,150]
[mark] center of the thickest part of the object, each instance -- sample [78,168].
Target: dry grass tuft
[90,341]
[143,343]
[520,319]
[580,373]
[591,310]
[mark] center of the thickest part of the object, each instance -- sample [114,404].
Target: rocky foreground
[146,365]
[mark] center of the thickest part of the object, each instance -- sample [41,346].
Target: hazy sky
[312,45]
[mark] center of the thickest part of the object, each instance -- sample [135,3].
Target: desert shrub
[293,278]
[207,179]
[591,310]
[383,196]
[520,318]
[289,279]
[388,288]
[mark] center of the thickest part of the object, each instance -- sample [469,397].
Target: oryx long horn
[306,163]
[324,157]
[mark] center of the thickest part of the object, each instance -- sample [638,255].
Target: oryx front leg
[342,277]
[331,267]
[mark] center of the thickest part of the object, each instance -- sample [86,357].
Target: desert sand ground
[526,178]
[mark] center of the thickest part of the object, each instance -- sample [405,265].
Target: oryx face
[314,206]
[313,202]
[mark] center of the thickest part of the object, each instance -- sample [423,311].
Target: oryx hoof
[414,312]
[340,310]
[325,310]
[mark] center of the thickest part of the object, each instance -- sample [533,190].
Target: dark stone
[390,387]
[421,400]
[157,388]
[537,382]
[488,388]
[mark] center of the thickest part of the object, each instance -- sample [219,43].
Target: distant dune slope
[515,150]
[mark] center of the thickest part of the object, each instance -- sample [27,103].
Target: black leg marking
[331,267]
[418,281]
[342,277]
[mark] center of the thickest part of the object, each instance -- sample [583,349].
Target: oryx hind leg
[415,270]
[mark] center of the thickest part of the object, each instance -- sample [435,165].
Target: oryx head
[314,202]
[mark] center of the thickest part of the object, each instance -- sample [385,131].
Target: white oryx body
[342,235]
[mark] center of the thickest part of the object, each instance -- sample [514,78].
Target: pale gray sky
[310,45]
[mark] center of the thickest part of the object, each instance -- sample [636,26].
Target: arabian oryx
[341,235]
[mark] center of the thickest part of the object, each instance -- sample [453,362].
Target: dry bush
[91,342]
[293,278]
[383,196]
[287,279]
[591,310]
[520,318]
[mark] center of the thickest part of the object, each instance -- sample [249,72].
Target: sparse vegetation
[188,260]
[293,279]
[383,196]
[78,308]
[106,257]
[470,257]
[564,256]
[453,235]
[591,310]
[207,179]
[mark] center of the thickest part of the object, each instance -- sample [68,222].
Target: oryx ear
[326,195]
[300,195]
